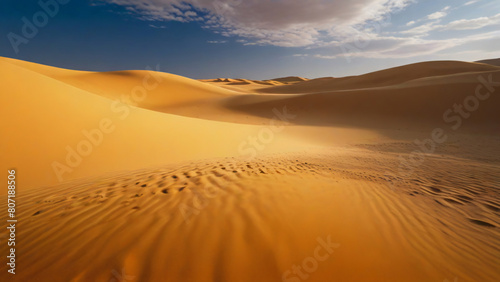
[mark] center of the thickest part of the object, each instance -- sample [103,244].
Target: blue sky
[255,39]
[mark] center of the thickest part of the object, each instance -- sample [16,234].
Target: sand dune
[246,85]
[242,180]
[415,104]
[494,62]
[409,105]
[57,118]
[221,219]
[382,78]
[289,79]
[158,89]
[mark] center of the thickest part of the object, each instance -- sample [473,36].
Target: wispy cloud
[157,26]
[436,16]
[471,2]
[469,24]
[217,41]
[463,24]
[409,47]
[440,14]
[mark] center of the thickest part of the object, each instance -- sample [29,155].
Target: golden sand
[165,178]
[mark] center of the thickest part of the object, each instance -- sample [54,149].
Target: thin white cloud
[463,24]
[472,23]
[157,26]
[399,47]
[393,48]
[438,15]
[421,29]
[424,28]
[471,2]
[217,41]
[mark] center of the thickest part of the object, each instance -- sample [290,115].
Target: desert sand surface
[288,179]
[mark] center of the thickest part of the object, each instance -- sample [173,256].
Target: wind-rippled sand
[234,220]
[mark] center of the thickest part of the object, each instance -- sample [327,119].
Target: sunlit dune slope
[50,126]
[382,78]
[153,89]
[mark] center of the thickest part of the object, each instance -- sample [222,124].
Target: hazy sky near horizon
[254,39]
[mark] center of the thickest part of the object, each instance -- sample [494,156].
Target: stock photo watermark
[11,220]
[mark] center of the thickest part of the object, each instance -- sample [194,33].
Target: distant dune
[289,79]
[245,85]
[382,78]
[494,62]
[412,104]
[149,176]
[402,97]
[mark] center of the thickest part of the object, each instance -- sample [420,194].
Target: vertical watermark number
[11,220]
